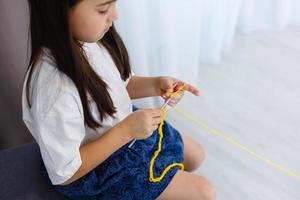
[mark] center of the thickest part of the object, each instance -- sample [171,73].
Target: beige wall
[13,59]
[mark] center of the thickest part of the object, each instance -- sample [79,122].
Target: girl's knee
[200,156]
[205,190]
[196,159]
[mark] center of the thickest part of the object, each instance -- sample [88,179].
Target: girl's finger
[154,128]
[188,87]
[156,121]
[175,99]
[173,85]
[179,95]
[192,89]
[156,113]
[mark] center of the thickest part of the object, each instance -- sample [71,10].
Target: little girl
[77,105]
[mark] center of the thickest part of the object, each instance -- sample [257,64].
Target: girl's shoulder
[48,84]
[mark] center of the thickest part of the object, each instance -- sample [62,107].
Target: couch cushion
[21,175]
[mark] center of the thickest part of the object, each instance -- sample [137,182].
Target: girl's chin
[95,39]
[102,35]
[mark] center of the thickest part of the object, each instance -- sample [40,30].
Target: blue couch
[21,177]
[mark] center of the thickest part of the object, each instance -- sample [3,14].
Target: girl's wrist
[157,85]
[125,130]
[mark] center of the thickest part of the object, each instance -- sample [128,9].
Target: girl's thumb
[170,88]
[168,92]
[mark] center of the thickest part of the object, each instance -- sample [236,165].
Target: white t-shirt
[56,119]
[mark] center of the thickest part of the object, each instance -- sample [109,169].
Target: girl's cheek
[94,30]
[99,24]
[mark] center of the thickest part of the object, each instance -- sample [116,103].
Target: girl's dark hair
[49,28]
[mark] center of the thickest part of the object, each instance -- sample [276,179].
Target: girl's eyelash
[103,12]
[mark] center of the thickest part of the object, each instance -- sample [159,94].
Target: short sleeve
[60,133]
[128,79]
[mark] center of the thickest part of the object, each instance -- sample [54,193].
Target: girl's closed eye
[103,12]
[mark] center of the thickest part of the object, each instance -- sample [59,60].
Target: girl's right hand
[142,123]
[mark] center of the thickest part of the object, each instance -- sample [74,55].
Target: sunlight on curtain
[173,37]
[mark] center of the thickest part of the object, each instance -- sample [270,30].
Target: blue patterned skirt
[125,174]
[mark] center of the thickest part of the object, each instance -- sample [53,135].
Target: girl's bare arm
[94,153]
[140,87]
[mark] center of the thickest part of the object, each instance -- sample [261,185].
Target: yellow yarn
[156,153]
[215,132]
[239,145]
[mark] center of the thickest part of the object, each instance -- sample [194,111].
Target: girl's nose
[113,14]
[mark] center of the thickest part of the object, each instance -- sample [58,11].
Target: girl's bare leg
[188,186]
[193,153]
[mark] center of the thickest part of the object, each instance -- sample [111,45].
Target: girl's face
[91,19]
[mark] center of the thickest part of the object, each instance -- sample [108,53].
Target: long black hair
[49,28]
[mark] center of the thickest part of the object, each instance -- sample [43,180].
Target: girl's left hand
[168,85]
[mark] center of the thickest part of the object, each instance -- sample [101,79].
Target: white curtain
[173,37]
